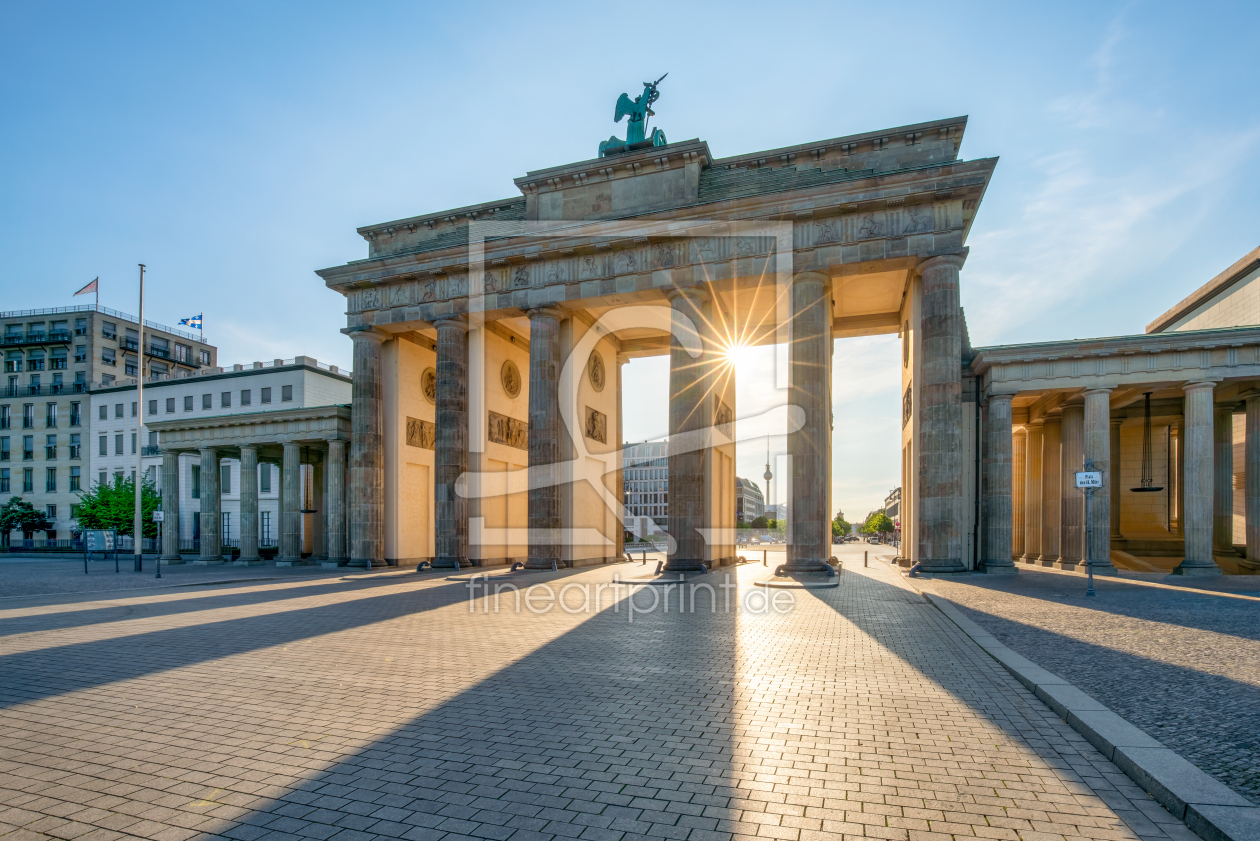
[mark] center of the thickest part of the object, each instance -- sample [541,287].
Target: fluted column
[290,507]
[367,452]
[1051,481]
[1116,470]
[1032,494]
[690,413]
[809,448]
[1019,486]
[1198,479]
[996,503]
[1223,479]
[1251,466]
[249,507]
[450,510]
[211,525]
[1097,445]
[170,508]
[336,503]
[544,438]
[1072,537]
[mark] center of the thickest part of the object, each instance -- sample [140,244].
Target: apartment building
[646,478]
[749,501]
[52,360]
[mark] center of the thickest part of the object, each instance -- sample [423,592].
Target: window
[153,442]
[4,417]
[28,448]
[50,415]
[225,400]
[109,329]
[28,480]
[74,512]
[104,413]
[160,347]
[4,448]
[206,401]
[133,408]
[158,370]
[170,405]
[118,445]
[107,379]
[75,445]
[50,511]
[4,480]
[244,396]
[80,327]
[205,357]
[35,361]
[50,448]
[118,407]
[76,479]
[227,526]
[104,450]
[133,443]
[265,395]
[188,403]
[109,356]
[13,362]
[225,479]
[50,480]
[264,478]
[103,479]
[76,414]
[28,415]
[196,485]
[153,407]
[264,530]
[286,393]
[183,353]
[80,353]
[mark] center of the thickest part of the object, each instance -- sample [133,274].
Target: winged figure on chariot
[638,110]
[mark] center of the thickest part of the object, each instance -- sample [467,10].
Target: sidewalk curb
[1210,808]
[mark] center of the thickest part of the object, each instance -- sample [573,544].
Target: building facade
[646,496]
[53,358]
[213,395]
[749,501]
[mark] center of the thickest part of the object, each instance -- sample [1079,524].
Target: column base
[1100,568]
[290,562]
[1197,569]
[543,563]
[1063,563]
[998,568]
[209,562]
[362,563]
[682,565]
[171,560]
[455,563]
[942,565]
[249,562]
[330,564]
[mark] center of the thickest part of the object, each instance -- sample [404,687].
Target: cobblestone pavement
[1184,666]
[30,577]
[382,707]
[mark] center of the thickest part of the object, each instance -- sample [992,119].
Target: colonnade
[328,460]
[1041,458]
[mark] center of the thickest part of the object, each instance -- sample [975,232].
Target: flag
[194,322]
[91,287]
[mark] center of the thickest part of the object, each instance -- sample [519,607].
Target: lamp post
[138,525]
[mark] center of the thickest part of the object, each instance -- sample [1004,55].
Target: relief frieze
[421,433]
[508,431]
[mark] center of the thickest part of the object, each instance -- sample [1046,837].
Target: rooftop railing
[103,311]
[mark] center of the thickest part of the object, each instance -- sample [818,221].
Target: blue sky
[235,147]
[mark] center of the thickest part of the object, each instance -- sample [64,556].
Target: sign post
[1088,481]
[158,517]
[100,540]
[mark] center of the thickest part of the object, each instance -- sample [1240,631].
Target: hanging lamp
[1148,471]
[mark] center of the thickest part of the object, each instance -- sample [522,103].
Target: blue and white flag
[194,322]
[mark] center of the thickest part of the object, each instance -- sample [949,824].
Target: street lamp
[138,524]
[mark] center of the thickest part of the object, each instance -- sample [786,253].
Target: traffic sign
[1089,478]
[159,516]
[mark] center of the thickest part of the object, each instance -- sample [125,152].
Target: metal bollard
[865,558]
[659,566]
[764,553]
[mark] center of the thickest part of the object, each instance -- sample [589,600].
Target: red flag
[91,287]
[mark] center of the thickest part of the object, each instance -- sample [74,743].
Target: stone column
[1223,479]
[996,503]
[940,413]
[1098,450]
[1072,536]
[1051,502]
[1032,495]
[336,503]
[450,510]
[809,448]
[319,538]
[367,452]
[290,507]
[211,522]
[249,507]
[1251,467]
[1115,477]
[1019,486]
[1196,515]
[170,508]
[690,413]
[622,359]
[544,438]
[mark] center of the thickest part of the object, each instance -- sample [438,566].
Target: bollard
[865,558]
[553,565]
[659,566]
[764,553]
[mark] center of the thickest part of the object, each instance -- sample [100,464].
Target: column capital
[700,292]
[366,332]
[544,311]
[459,322]
[1199,385]
[955,260]
[1007,398]
[1102,389]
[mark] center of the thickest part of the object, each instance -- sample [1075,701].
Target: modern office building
[646,476]
[222,394]
[749,501]
[52,360]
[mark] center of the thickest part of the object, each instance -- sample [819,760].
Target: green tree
[878,523]
[761,522]
[19,515]
[113,506]
[840,526]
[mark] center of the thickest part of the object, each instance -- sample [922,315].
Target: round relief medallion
[428,384]
[596,370]
[510,376]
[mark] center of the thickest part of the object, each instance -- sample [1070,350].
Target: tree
[840,526]
[761,522]
[878,523]
[19,515]
[113,506]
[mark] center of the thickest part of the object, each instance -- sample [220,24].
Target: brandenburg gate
[489,340]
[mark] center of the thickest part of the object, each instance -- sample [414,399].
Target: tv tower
[767,475]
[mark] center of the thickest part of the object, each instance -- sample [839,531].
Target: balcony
[75,451]
[128,343]
[54,338]
[165,354]
[51,390]
[150,450]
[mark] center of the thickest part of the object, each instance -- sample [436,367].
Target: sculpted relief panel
[421,433]
[509,431]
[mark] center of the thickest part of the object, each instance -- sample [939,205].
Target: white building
[646,478]
[242,389]
[749,501]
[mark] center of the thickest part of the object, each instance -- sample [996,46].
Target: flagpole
[138,525]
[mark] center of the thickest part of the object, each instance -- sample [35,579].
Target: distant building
[646,478]
[749,501]
[775,512]
[892,505]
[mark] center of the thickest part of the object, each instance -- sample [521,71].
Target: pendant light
[1148,471]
